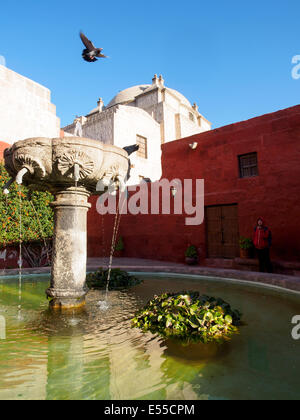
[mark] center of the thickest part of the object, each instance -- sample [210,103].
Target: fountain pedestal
[68,274]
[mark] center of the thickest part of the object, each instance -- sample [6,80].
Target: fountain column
[68,274]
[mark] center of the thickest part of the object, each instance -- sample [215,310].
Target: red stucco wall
[3,146]
[274,194]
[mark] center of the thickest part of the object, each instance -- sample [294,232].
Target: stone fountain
[70,168]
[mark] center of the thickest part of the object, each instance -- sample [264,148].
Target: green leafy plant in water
[119,279]
[188,316]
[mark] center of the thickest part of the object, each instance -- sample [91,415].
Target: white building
[25,108]
[148,115]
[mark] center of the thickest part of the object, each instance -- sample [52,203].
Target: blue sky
[234,58]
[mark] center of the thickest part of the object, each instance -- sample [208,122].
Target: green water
[96,355]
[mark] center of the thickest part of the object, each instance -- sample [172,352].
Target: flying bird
[90,52]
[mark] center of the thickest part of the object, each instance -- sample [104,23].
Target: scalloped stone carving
[33,165]
[112,172]
[66,162]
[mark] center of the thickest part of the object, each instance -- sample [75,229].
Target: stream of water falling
[41,230]
[114,238]
[20,261]
[103,241]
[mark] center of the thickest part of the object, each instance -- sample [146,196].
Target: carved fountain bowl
[50,163]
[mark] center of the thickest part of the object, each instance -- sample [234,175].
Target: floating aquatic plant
[119,279]
[188,316]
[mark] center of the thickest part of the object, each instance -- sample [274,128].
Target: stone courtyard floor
[153,266]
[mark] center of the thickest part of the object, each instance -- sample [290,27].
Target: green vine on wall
[37,215]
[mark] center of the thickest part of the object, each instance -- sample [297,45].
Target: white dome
[129,95]
[180,97]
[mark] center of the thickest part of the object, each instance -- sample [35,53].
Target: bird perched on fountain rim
[90,52]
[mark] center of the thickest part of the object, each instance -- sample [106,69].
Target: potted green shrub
[246,246]
[191,255]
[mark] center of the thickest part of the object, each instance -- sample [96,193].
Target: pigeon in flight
[90,52]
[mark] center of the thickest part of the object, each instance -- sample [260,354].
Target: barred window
[142,142]
[248,165]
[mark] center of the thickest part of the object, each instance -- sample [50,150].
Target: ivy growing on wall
[36,213]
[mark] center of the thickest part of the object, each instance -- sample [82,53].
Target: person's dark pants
[265,264]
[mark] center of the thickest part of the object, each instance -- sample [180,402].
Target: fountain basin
[50,163]
[95,354]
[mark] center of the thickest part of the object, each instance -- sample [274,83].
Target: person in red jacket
[262,240]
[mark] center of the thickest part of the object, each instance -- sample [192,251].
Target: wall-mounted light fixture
[194,145]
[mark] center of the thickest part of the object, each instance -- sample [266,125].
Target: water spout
[76,172]
[20,174]
[7,185]
[122,184]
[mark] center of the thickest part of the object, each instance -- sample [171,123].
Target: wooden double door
[222,231]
